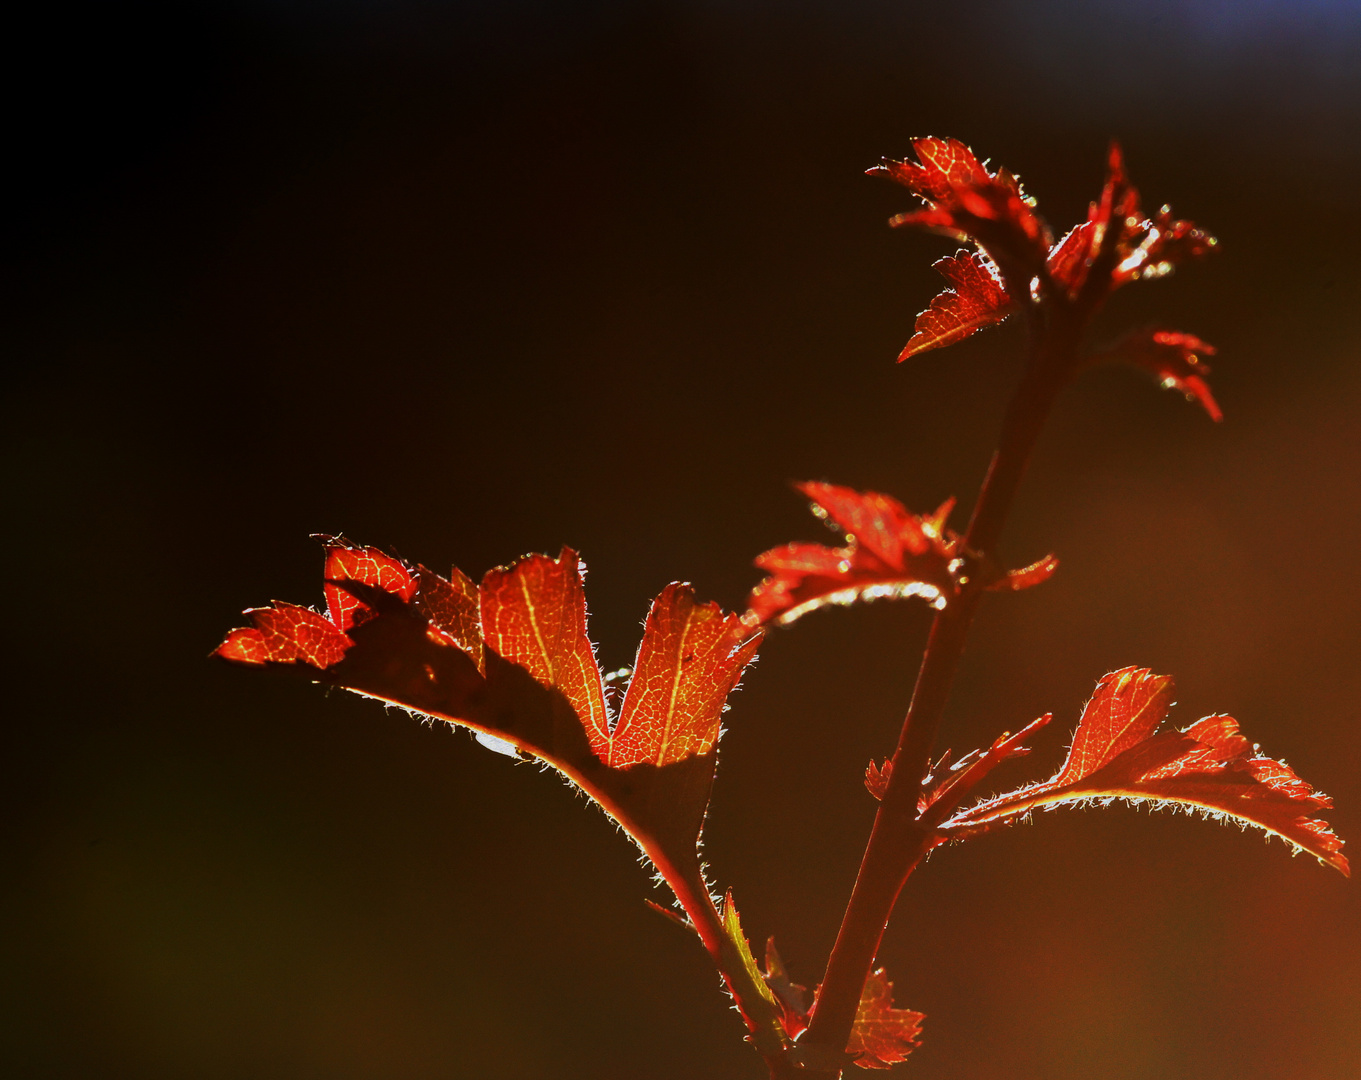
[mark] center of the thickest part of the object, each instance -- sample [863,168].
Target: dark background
[474,279]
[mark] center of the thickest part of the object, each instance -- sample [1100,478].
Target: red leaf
[882,1035]
[285,634]
[946,166]
[1116,216]
[1173,358]
[534,615]
[346,562]
[888,552]
[975,299]
[1069,258]
[1129,246]
[1118,754]
[1125,710]
[688,663]
[792,996]
[943,791]
[511,660]
[1116,244]
[877,778]
[1160,245]
[1027,577]
[454,607]
[966,201]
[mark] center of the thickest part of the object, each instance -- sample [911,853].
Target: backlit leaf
[688,663]
[1125,710]
[1173,358]
[888,552]
[286,634]
[1118,753]
[877,777]
[793,997]
[534,614]
[1027,577]
[732,926]
[882,1036]
[511,660]
[350,562]
[1126,244]
[947,165]
[975,299]
[1019,263]
[964,200]
[1068,260]
[945,788]
[454,606]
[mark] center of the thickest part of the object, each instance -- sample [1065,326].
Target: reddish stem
[899,842]
[763,1027]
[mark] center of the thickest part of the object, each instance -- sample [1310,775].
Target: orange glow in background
[470,280]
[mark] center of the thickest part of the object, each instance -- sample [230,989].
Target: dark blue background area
[468,280]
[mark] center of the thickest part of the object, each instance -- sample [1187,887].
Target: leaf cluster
[509,657]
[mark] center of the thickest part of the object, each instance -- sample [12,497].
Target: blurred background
[467,280]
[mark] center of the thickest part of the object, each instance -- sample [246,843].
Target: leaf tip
[244,645]
[877,777]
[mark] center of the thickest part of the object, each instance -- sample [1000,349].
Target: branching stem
[899,842]
[762,1025]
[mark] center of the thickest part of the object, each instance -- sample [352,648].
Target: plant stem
[898,841]
[763,1026]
